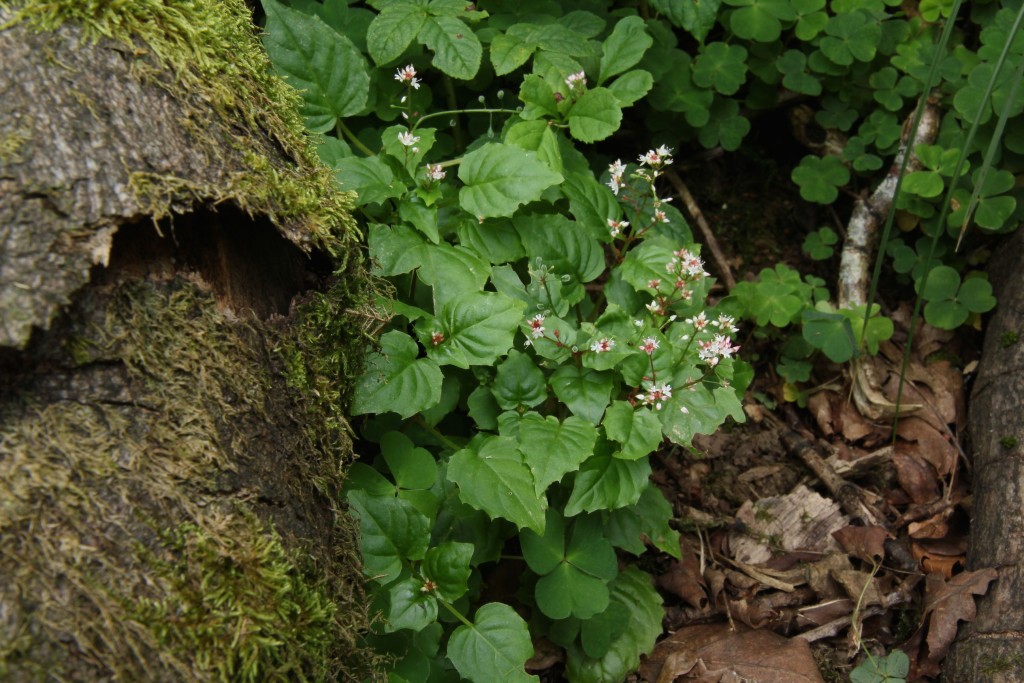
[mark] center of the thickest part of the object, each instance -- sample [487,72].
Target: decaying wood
[870,214]
[994,641]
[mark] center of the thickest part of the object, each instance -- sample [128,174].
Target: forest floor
[822,532]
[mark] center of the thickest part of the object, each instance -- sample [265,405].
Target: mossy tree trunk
[991,648]
[169,503]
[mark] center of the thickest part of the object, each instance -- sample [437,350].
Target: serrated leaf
[632,591]
[638,430]
[631,86]
[591,203]
[508,53]
[561,244]
[705,411]
[624,48]
[649,517]
[538,97]
[495,240]
[552,448]
[539,137]
[323,65]
[448,566]
[697,18]
[495,647]
[478,329]
[409,607]
[391,31]
[392,530]
[370,178]
[396,380]
[519,382]
[607,483]
[595,115]
[457,50]
[499,178]
[493,477]
[586,392]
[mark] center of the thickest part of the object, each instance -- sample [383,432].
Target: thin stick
[683,193]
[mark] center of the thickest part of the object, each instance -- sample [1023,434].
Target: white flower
[616,227]
[435,172]
[699,321]
[407,138]
[616,170]
[602,345]
[656,395]
[537,326]
[572,80]
[660,217]
[649,345]
[408,75]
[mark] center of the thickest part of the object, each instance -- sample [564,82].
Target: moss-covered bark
[178,286]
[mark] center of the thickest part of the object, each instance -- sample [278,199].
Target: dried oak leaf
[713,653]
[863,542]
[947,602]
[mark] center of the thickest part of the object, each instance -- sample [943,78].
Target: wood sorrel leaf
[627,527]
[632,591]
[412,467]
[493,648]
[396,380]
[552,448]
[392,531]
[493,477]
[322,64]
[499,178]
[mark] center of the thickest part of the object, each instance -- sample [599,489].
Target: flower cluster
[407,75]
[713,350]
[408,139]
[537,326]
[656,394]
[616,170]
[435,172]
[602,345]
[576,79]
[616,227]
[657,158]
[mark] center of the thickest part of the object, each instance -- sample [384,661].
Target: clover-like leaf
[492,476]
[830,332]
[820,177]
[722,67]
[726,126]
[396,380]
[696,18]
[853,36]
[576,583]
[494,647]
[820,244]
[759,20]
[793,67]
[499,178]
[633,593]
[322,64]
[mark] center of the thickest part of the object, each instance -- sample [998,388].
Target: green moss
[1008,442]
[1000,665]
[11,145]
[223,81]
[1008,339]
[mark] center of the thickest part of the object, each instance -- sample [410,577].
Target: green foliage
[893,668]
[550,325]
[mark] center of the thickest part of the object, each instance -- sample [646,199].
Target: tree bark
[169,503]
[991,648]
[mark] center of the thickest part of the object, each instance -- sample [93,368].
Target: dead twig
[721,264]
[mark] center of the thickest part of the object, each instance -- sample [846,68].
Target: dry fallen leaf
[927,442]
[684,579]
[916,476]
[713,653]
[863,542]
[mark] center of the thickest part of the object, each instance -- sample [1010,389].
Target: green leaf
[638,430]
[552,448]
[494,648]
[830,332]
[396,380]
[696,18]
[322,64]
[412,467]
[631,86]
[705,411]
[391,31]
[509,52]
[793,66]
[591,203]
[410,608]
[624,48]
[850,37]
[544,552]
[584,391]
[447,565]
[721,66]
[759,19]
[820,177]
[976,295]
[457,50]
[478,328]
[942,283]
[495,240]
[539,98]
[648,518]
[539,137]
[561,244]
[607,483]
[492,477]
[923,183]
[595,115]
[726,125]
[633,593]
[392,530]
[519,382]
[499,178]
[369,178]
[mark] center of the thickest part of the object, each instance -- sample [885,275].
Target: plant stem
[455,112]
[353,140]
[445,441]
